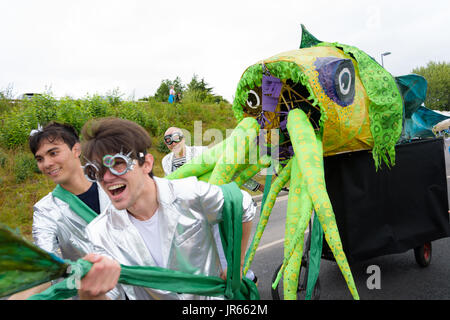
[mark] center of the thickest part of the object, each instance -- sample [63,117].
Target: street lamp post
[382,55]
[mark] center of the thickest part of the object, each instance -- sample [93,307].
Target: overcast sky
[86,47]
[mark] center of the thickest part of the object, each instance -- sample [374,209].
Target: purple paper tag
[271,88]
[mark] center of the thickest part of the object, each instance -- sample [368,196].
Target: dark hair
[114,135]
[52,132]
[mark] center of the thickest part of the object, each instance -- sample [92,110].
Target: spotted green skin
[309,157]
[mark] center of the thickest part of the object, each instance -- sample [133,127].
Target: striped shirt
[178,162]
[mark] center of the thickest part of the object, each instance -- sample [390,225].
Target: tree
[198,85]
[198,91]
[162,93]
[437,75]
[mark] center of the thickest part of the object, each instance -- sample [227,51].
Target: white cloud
[80,47]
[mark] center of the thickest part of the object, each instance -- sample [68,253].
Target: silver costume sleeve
[44,231]
[212,202]
[117,293]
[249,207]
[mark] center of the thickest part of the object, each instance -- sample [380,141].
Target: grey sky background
[87,47]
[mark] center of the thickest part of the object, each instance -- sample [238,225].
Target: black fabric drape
[392,210]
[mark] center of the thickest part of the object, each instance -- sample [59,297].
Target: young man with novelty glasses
[154,221]
[57,226]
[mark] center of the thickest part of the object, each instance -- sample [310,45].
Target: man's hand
[102,277]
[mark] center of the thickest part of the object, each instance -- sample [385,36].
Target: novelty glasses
[174,137]
[118,164]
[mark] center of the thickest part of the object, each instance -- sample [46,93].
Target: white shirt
[149,231]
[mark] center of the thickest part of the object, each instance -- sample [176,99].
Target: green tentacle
[293,216]
[206,161]
[310,161]
[294,248]
[205,177]
[253,169]
[275,188]
[238,147]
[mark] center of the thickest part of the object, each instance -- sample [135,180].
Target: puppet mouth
[116,189]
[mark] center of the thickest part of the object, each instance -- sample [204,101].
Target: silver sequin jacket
[59,230]
[187,210]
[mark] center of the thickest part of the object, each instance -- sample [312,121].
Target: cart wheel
[423,254]
[277,293]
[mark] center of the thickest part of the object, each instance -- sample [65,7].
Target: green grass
[22,185]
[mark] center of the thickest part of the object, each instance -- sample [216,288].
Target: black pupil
[252,100]
[345,80]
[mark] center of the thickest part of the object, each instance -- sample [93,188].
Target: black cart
[389,211]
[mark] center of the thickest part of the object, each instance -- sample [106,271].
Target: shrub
[16,127]
[161,147]
[24,166]
[3,159]
[44,107]
[96,106]
[71,112]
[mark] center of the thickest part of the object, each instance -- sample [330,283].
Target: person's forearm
[23,295]
[246,230]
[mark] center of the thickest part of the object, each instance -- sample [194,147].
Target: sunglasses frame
[170,136]
[108,162]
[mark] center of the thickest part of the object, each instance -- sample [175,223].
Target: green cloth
[315,252]
[75,203]
[24,265]
[176,281]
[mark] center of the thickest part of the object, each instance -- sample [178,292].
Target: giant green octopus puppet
[321,100]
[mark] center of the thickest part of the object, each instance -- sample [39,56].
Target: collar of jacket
[164,191]
[78,206]
[168,219]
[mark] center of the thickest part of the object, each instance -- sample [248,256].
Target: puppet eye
[253,104]
[253,100]
[337,78]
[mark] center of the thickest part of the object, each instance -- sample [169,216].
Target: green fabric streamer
[75,203]
[153,277]
[267,185]
[315,252]
[231,234]
[24,265]
[176,281]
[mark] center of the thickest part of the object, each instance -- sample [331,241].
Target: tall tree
[162,93]
[437,75]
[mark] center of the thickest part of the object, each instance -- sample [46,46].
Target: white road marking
[273,243]
[270,244]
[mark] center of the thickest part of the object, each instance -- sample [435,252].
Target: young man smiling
[155,221]
[58,227]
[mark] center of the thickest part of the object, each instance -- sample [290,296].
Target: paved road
[400,275]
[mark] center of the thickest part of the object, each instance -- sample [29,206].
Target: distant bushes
[24,166]
[21,117]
